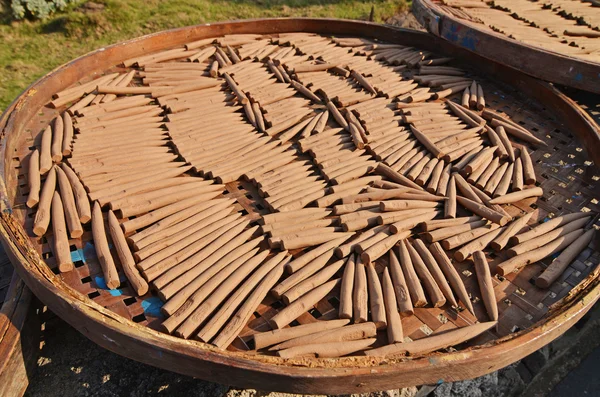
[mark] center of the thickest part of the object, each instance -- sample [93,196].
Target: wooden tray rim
[353,374]
[536,61]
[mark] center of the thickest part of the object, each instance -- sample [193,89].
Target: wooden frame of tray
[245,369]
[535,61]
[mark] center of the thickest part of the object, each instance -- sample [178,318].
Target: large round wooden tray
[530,318]
[544,63]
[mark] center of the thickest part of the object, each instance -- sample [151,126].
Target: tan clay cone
[560,264]
[227,307]
[483,211]
[360,293]
[347,288]
[400,285]
[394,324]
[180,304]
[478,244]
[444,223]
[241,317]
[42,215]
[269,338]
[435,271]
[511,229]
[486,287]
[342,334]
[300,306]
[33,179]
[528,170]
[81,199]
[70,208]
[327,350]
[517,196]
[519,261]
[547,237]
[102,250]
[546,227]
[376,300]
[434,292]
[61,248]
[466,237]
[446,232]
[433,342]
[57,139]
[312,282]
[216,299]
[450,203]
[451,275]
[138,284]
[46,151]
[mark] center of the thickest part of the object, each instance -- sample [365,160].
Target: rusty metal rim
[201,360]
[535,61]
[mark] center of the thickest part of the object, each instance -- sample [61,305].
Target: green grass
[30,49]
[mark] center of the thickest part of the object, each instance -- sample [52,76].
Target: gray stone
[535,362]
[509,380]
[443,390]
[408,392]
[524,372]
[489,383]
[467,388]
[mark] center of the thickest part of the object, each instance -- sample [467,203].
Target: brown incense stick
[62,251]
[486,287]
[434,292]
[293,311]
[394,324]
[340,334]
[360,294]
[327,350]
[376,299]
[434,270]
[46,151]
[139,285]
[33,179]
[42,215]
[432,343]
[517,196]
[269,338]
[519,261]
[560,264]
[451,275]
[400,285]
[346,289]
[70,208]
[107,263]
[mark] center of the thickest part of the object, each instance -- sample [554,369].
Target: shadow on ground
[72,365]
[583,380]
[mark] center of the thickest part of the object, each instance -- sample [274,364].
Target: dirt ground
[71,365]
